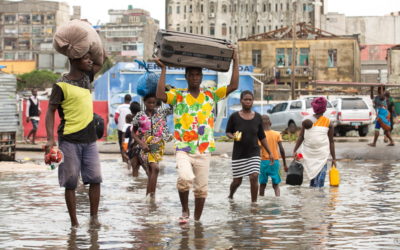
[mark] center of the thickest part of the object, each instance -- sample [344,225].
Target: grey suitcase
[179,49]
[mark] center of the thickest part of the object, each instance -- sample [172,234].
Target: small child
[307,123]
[274,140]
[127,137]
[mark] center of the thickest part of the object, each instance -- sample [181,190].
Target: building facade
[319,56]
[26,32]
[234,19]
[376,33]
[129,35]
[393,55]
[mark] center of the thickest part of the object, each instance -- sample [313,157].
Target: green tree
[108,64]
[36,79]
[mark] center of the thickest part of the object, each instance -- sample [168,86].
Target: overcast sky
[96,10]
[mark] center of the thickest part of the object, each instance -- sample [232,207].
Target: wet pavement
[363,213]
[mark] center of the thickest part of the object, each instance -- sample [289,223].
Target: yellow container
[334,176]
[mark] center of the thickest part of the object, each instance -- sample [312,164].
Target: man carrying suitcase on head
[194,131]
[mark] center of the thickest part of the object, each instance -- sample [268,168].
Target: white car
[353,113]
[290,114]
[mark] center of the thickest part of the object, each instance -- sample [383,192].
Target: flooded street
[363,213]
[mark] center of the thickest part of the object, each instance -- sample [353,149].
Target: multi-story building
[376,33]
[26,32]
[234,19]
[319,56]
[129,35]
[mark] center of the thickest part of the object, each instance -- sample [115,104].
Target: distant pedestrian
[267,169]
[119,118]
[382,118]
[133,149]
[391,109]
[33,112]
[246,128]
[317,143]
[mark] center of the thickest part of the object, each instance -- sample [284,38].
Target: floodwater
[363,213]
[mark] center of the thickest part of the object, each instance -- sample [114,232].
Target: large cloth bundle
[76,38]
[188,50]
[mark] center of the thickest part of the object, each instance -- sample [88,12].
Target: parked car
[353,113]
[290,114]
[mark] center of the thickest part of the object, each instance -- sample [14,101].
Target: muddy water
[363,213]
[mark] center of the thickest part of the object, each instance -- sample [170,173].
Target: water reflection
[363,212]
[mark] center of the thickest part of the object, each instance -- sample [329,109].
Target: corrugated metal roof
[9,117]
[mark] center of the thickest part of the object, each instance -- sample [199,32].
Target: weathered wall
[394,66]
[372,29]
[18,67]
[348,56]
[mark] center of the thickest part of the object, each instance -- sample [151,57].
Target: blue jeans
[319,180]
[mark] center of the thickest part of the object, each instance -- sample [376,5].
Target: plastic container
[334,176]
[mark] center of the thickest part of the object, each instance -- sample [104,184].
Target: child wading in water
[274,140]
[152,127]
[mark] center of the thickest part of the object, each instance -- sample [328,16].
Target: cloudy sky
[96,10]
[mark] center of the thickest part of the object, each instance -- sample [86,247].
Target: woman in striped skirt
[245,127]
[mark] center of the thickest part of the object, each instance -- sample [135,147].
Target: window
[224,9]
[253,30]
[241,31]
[197,30]
[190,29]
[212,29]
[234,7]
[201,8]
[129,47]
[9,56]
[276,7]
[230,30]
[9,19]
[24,18]
[295,105]
[304,54]
[269,7]
[353,103]
[178,29]
[280,57]
[190,8]
[178,9]
[279,107]
[212,7]
[184,29]
[224,29]
[184,9]
[264,7]
[201,30]
[256,58]
[332,58]
[170,10]
[287,6]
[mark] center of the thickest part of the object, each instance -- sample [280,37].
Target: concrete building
[320,56]
[27,28]
[371,29]
[394,64]
[234,19]
[376,33]
[129,34]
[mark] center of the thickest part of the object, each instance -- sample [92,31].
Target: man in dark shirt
[33,112]
[76,135]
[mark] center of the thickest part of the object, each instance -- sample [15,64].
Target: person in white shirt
[119,118]
[33,112]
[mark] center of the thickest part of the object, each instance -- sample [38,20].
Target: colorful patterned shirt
[194,118]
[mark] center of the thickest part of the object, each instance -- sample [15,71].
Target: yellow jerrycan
[334,176]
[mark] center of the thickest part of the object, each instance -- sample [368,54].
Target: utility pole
[292,75]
